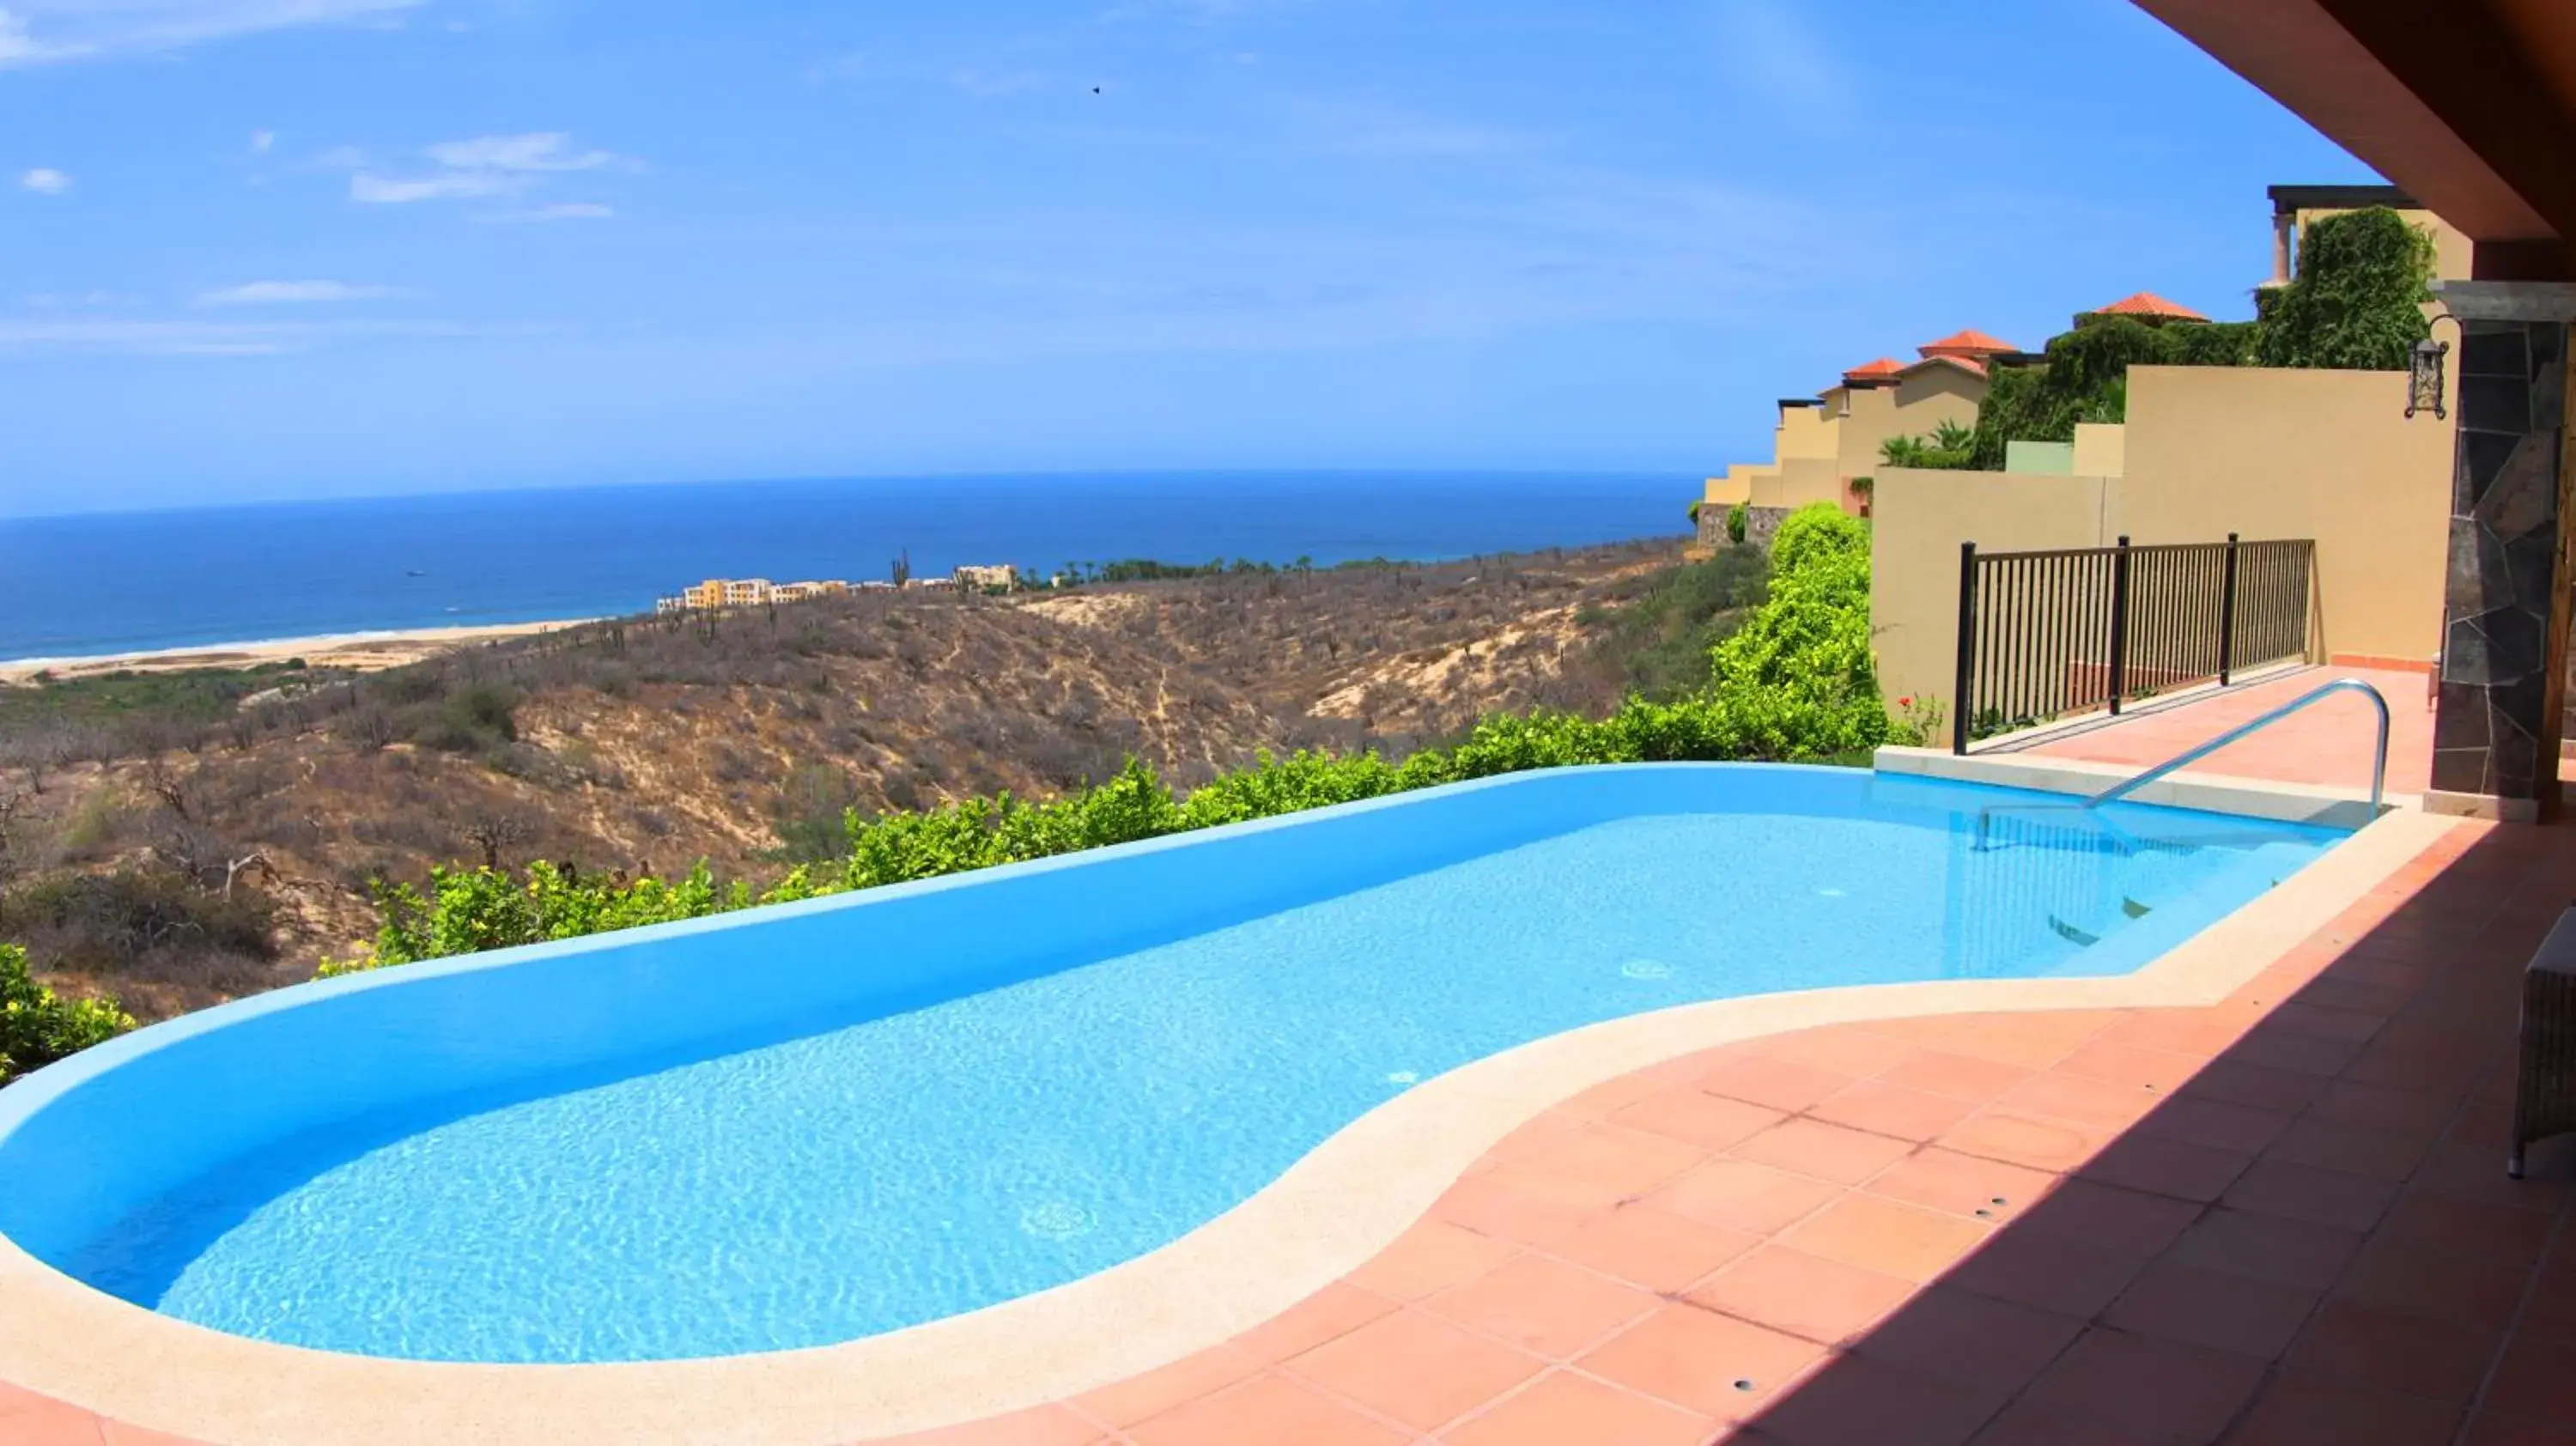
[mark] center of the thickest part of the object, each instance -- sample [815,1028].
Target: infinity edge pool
[1336,1207]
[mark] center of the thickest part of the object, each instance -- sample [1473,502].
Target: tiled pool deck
[2283,1218]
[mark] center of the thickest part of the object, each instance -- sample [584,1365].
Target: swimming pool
[839,1118]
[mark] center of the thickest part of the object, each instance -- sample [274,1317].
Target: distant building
[749,592]
[978,579]
[800,591]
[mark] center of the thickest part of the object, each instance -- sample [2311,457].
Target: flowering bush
[38,1026]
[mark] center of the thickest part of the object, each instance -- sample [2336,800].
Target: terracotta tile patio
[2330,744]
[2280,1219]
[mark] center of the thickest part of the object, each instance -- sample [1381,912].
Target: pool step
[2067,931]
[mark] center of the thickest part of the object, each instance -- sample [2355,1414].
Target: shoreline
[365,652]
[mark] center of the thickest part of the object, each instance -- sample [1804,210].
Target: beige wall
[2323,454]
[1798,482]
[1919,518]
[1911,408]
[2101,449]
[2208,451]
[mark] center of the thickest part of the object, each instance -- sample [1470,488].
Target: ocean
[82,585]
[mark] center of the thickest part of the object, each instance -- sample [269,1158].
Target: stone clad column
[2496,729]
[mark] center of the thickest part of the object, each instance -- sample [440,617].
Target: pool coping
[1325,1216]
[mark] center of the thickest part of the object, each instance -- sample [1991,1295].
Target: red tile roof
[1885,369]
[1975,365]
[1970,343]
[2147,303]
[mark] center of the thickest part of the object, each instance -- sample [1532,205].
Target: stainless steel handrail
[2378,764]
[2127,786]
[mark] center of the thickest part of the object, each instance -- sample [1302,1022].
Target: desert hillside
[189,837]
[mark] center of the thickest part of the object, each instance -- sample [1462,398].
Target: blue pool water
[864,1168]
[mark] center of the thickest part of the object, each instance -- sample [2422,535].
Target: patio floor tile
[2314,1196]
[2025,1423]
[2157,1391]
[1653,1248]
[1959,1076]
[2260,1247]
[2430,1285]
[2366,1346]
[1710,1363]
[2295,1412]
[1619,1162]
[2536,1381]
[1696,1117]
[1741,1195]
[1892,1110]
[1139,1397]
[1825,1301]
[1904,1241]
[1828,1152]
[2167,1167]
[1524,1207]
[2125,1220]
[1963,1184]
[1431,1257]
[1337,1309]
[1564,1407]
[1856,1399]
[1774,1083]
[1542,1305]
[1954,1335]
[2206,1308]
[1269,1410]
[2071,1277]
[1416,1368]
[2021,1139]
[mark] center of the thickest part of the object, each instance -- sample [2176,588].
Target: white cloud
[261,141]
[483,166]
[539,151]
[558,211]
[46,181]
[388,191]
[276,293]
[38,32]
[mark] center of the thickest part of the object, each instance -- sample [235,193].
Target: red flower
[1905,702]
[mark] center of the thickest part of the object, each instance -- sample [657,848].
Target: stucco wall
[2323,454]
[1919,518]
[2101,450]
[2208,451]
[1911,408]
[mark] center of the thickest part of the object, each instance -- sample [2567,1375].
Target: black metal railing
[2043,635]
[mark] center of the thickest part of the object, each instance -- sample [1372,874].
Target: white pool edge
[1327,1215]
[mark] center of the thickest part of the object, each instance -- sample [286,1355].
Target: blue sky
[254,249]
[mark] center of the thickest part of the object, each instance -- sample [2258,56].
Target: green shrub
[2358,298]
[1736,517]
[1797,680]
[38,1026]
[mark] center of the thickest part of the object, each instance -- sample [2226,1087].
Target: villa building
[972,578]
[1822,444]
[746,592]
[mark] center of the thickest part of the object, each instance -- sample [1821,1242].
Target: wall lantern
[2424,377]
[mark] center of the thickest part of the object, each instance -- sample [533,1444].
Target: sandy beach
[359,652]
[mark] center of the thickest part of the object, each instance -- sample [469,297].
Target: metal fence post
[2227,614]
[2119,680]
[1967,647]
